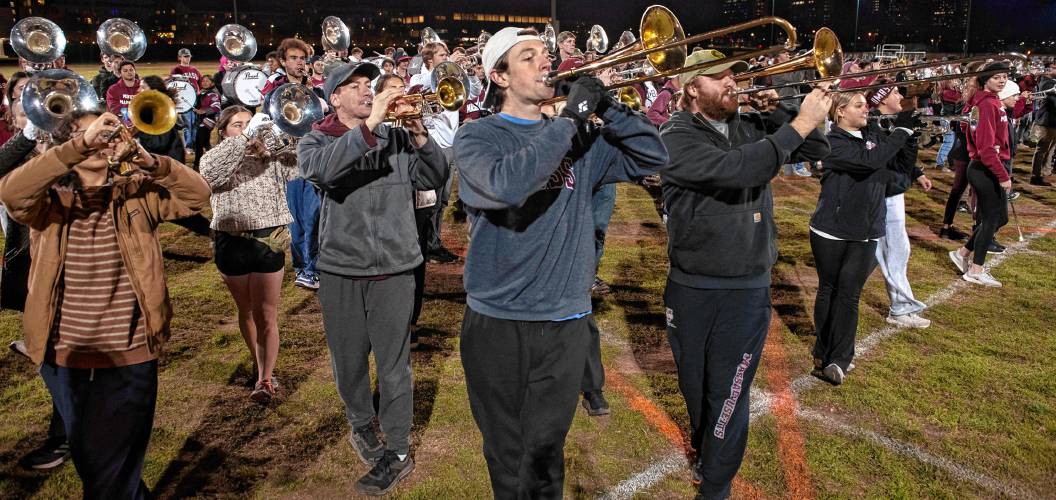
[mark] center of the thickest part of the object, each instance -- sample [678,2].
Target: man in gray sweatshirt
[368,173]
[527,183]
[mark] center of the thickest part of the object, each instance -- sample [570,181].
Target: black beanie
[991,69]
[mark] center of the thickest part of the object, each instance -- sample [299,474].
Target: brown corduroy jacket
[139,203]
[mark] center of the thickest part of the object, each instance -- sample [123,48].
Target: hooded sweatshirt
[988,137]
[367,181]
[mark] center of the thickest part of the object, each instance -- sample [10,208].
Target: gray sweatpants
[361,316]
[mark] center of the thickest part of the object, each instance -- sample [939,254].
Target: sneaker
[911,320]
[307,280]
[52,454]
[995,248]
[1037,180]
[850,367]
[832,374]
[365,442]
[951,233]
[264,391]
[600,287]
[19,347]
[983,278]
[962,206]
[960,262]
[1014,195]
[385,475]
[442,256]
[801,170]
[697,468]
[595,403]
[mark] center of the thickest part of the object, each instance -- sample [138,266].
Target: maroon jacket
[988,138]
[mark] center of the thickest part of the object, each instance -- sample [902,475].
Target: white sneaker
[960,262]
[834,373]
[911,320]
[983,278]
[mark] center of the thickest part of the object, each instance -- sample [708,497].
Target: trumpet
[152,112]
[450,88]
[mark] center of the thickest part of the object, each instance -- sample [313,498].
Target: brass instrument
[450,89]
[598,40]
[429,36]
[336,36]
[826,57]
[120,36]
[152,112]
[38,40]
[236,42]
[549,38]
[294,108]
[52,95]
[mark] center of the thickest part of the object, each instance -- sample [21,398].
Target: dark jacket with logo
[367,180]
[904,169]
[851,205]
[720,227]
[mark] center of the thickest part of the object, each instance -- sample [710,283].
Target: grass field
[964,409]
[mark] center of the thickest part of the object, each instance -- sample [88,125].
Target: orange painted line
[663,423]
[790,445]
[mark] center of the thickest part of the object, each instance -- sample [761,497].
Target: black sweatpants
[992,209]
[523,380]
[361,316]
[843,267]
[960,184]
[108,414]
[423,221]
[716,338]
[593,371]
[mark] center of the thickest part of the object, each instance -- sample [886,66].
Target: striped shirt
[99,323]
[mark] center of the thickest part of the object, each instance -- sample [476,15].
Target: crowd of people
[359,203]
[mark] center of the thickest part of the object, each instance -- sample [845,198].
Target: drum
[185,94]
[244,85]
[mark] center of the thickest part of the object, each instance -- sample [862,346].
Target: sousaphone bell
[38,40]
[236,42]
[120,36]
[54,94]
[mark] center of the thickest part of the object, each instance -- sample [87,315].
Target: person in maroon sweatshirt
[121,93]
[988,171]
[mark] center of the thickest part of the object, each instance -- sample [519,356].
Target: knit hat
[1011,89]
[876,96]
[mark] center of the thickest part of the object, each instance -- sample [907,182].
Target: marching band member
[527,183]
[107,75]
[847,224]
[248,178]
[988,172]
[207,108]
[892,251]
[1045,120]
[192,75]
[722,246]
[96,247]
[566,48]
[367,172]
[121,93]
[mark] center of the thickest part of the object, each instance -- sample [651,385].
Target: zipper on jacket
[127,260]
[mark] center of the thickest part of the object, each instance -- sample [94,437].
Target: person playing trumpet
[368,172]
[97,314]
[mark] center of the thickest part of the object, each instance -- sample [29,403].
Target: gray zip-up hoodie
[367,181]
[527,187]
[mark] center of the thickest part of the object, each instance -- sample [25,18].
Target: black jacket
[14,281]
[851,205]
[168,144]
[1045,114]
[102,81]
[904,169]
[721,231]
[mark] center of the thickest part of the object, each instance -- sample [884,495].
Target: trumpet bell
[598,40]
[294,108]
[52,95]
[152,112]
[659,27]
[236,42]
[120,36]
[38,40]
[336,36]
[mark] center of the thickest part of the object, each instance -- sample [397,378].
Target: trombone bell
[659,27]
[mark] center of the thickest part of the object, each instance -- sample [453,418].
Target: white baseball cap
[498,45]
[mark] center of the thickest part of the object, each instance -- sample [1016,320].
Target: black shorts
[238,256]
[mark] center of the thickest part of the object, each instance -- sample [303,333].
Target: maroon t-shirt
[190,73]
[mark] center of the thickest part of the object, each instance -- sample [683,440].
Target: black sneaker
[1039,181]
[697,468]
[600,287]
[442,256]
[49,456]
[366,443]
[595,403]
[995,248]
[385,475]
[951,233]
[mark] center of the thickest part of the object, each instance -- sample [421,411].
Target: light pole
[967,27]
[857,6]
